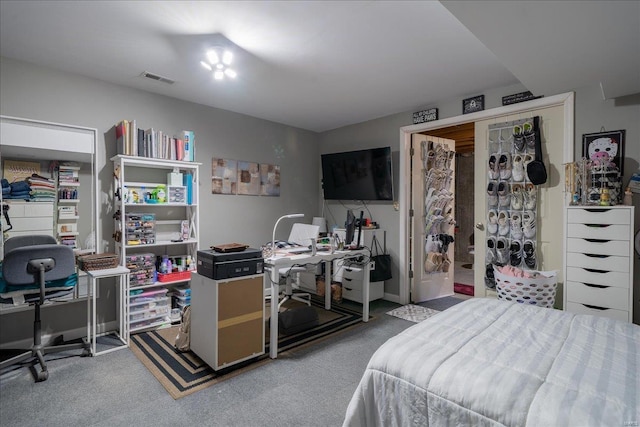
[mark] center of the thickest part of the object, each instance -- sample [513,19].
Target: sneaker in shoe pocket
[515,253]
[502,250]
[517,168]
[491,249]
[494,172]
[529,251]
[529,224]
[503,223]
[504,165]
[516,226]
[492,223]
[516,196]
[489,277]
[530,196]
[492,191]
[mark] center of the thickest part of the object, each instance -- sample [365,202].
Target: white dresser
[599,261]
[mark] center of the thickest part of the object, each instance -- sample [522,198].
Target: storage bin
[540,291]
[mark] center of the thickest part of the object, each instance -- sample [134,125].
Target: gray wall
[48,95]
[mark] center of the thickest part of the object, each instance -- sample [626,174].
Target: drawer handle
[347,289]
[593,270]
[347,279]
[591,285]
[595,307]
[597,240]
[597,210]
[596,255]
[598,225]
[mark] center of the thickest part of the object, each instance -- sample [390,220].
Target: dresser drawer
[598,311]
[599,262]
[352,290]
[595,246]
[598,277]
[603,232]
[599,216]
[598,295]
[353,273]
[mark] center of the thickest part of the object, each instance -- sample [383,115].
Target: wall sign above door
[518,97]
[424,116]
[471,105]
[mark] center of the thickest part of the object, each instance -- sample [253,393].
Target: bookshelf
[68,199]
[150,223]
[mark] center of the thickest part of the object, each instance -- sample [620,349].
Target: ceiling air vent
[157,77]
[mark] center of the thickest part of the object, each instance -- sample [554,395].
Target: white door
[550,199]
[433,219]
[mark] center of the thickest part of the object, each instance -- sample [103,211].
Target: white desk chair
[305,235]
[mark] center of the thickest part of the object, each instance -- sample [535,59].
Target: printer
[219,265]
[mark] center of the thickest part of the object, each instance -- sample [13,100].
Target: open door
[433,217]
[492,136]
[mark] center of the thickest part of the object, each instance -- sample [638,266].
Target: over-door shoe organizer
[511,198]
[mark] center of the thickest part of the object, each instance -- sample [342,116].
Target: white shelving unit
[67,214]
[148,225]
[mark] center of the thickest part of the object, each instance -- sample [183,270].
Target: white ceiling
[320,65]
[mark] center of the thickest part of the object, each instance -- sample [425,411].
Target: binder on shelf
[188,182]
[189,145]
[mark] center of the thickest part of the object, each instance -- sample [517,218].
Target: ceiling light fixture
[219,61]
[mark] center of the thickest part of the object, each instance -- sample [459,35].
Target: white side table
[122,273]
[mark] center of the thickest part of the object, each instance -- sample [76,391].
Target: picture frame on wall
[473,104]
[605,147]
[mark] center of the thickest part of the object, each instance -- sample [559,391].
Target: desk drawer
[599,262]
[352,290]
[595,246]
[599,216]
[598,277]
[607,296]
[598,311]
[599,231]
[352,273]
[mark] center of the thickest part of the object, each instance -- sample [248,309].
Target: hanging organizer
[511,198]
[439,216]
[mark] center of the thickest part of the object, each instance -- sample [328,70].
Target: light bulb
[227,57]
[213,57]
[230,73]
[219,66]
[218,75]
[207,66]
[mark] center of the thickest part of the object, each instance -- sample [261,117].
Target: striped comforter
[485,362]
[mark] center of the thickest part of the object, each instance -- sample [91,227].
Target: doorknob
[480,226]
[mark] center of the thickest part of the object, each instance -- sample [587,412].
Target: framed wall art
[605,148]
[471,105]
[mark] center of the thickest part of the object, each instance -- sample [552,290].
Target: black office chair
[30,262]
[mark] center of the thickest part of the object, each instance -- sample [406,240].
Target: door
[433,218]
[550,198]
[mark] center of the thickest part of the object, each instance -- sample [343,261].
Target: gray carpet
[311,387]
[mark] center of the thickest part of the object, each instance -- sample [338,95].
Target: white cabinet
[599,261]
[352,278]
[30,218]
[151,222]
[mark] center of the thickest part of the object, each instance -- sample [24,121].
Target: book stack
[155,144]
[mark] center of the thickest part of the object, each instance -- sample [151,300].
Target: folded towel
[5,183]
[20,186]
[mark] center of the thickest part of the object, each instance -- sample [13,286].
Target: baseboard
[68,335]
[392,297]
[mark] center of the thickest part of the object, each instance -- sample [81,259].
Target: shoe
[504,166]
[530,194]
[517,168]
[492,224]
[529,250]
[433,244]
[504,195]
[432,262]
[503,223]
[489,278]
[493,166]
[518,138]
[516,196]
[528,158]
[515,253]
[516,226]
[491,249]
[529,224]
[492,191]
[502,251]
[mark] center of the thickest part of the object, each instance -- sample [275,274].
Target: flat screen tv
[358,175]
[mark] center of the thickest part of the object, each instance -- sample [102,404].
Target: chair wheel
[86,353]
[42,376]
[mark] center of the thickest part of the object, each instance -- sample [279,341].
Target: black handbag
[536,170]
[382,262]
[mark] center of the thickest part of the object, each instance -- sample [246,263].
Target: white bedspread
[485,362]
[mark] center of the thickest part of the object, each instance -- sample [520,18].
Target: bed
[486,362]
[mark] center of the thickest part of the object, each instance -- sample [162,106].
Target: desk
[122,273]
[275,263]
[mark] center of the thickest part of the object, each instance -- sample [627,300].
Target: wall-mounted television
[358,175]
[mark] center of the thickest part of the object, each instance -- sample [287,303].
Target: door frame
[566,100]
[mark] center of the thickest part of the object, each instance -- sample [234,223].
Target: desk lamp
[273,236]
